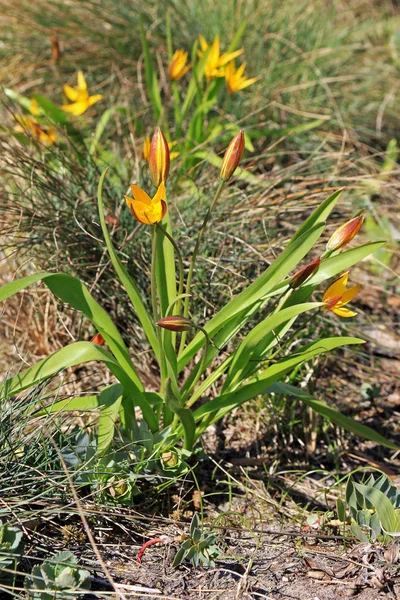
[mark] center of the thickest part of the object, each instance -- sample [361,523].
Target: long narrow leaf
[151,77]
[75,293]
[279,269]
[332,415]
[319,215]
[110,400]
[69,356]
[253,344]
[125,278]
[227,402]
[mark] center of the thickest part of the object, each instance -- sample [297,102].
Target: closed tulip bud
[55,49]
[304,273]
[98,339]
[232,156]
[175,323]
[345,233]
[159,158]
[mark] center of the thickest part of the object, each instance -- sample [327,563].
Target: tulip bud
[175,323]
[232,156]
[98,339]
[304,273]
[55,49]
[345,233]
[159,158]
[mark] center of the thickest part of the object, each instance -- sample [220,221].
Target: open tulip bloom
[145,209]
[178,67]
[336,296]
[215,59]
[235,79]
[202,371]
[79,96]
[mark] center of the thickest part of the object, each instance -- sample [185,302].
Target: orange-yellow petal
[160,194]
[77,108]
[349,294]
[93,99]
[203,43]
[343,312]
[81,82]
[139,195]
[228,56]
[70,92]
[337,288]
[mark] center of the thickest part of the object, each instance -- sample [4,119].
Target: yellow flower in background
[215,59]
[178,67]
[45,134]
[147,210]
[174,154]
[79,96]
[336,296]
[235,78]
[146,148]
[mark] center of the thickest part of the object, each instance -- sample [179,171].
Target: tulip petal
[70,92]
[336,288]
[163,209]
[213,57]
[93,99]
[248,82]
[349,294]
[77,108]
[203,43]
[343,312]
[228,56]
[139,195]
[160,194]
[81,82]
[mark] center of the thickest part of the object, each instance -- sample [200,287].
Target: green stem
[194,258]
[155,304]
[200,367]
[180,261]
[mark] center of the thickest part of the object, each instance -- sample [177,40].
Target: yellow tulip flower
[235,78]
[147,210]
[336,296]
[215,59]
[79,97]
[45,134]
[178,67]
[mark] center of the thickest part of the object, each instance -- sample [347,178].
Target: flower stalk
[194,257]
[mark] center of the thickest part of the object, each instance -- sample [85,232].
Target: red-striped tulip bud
[98,339]
[232,156]
[159,158]
[345,233]
[175,323]
[304,273]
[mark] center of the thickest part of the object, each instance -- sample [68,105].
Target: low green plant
[59,577]
[373,508]
[233,358]
[11,550]
[199,547]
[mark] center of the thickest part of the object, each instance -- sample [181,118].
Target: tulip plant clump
[195,359]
